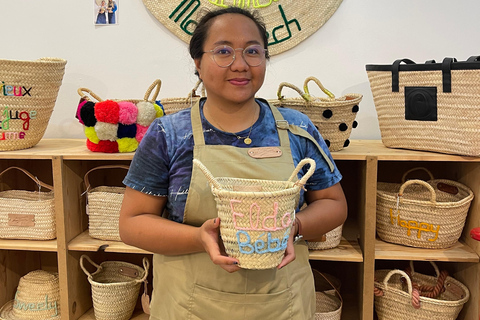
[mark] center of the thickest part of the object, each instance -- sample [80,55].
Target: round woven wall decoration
[288,22]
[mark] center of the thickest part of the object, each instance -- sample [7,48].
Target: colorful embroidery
[415,225]
[260,245]
[39,306]
[10,115]
[16,91]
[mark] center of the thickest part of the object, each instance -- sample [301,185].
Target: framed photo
[105,12]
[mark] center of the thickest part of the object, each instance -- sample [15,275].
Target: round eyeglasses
[224,55]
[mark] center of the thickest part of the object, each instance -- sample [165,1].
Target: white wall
[122,61]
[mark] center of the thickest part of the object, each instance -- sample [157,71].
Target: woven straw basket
[116,125]
[331,240]
[431,106]
[115,287]
[27,97]
[424,214]
[256,224]
[334,117]
[396,298]
[103,207]
[328,300]
[172,105]
[27,214]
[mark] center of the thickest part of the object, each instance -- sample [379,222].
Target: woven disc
[288,22]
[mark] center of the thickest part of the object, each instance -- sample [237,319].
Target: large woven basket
[172,105]
[430,106]
[330,240]
[256,224]
[116,125]
[333,117]
[328,301]
[27,214]
[425,214]
[103,207]
[115,287]
[396,298]
[28,93]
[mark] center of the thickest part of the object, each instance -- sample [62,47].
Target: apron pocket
[210,304]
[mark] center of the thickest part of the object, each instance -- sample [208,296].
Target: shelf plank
[137,315]
[29,245]
[460,252]
[347,250]
[84,242]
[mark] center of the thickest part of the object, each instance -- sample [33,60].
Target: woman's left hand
[290,250]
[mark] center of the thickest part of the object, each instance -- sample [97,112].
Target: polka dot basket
[114,126]
[333,117]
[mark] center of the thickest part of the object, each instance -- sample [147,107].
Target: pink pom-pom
[127,113]
[141,130]
[80,105]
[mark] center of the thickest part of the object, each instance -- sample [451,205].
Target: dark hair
[200,34]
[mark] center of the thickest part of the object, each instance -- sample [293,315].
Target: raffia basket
[103,207]
[115,287]
[27,97]
[27,214]
[397,296]
[172,105]
[424,214]
[333,117]
[331,240]
[256,224]
[327,297]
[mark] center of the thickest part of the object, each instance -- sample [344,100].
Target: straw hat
[288,22]
[37,298]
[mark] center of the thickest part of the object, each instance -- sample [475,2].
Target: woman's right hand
[213,245]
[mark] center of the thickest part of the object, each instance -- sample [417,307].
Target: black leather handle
[447,74]
[473,58]
[395,70]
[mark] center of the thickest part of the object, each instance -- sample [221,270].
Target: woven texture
[256,224]
[172,105]
[37,298]
[328,302]
[115,287]
[27,214]
[103,208]
[456,130]
[395,298]
[333,117]
[332,240]
[27,98]
[288,22]
[426,215]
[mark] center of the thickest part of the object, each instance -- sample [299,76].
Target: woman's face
[239,82]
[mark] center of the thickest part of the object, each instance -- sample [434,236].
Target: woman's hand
[290,250]
[213,244]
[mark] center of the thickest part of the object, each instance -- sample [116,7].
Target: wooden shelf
[29,245]
[347,250]
[460,252]
[137,315]
[84,242]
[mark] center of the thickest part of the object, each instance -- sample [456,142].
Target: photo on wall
[105,12]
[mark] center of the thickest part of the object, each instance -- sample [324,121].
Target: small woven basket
[27,97]
[328,300]
[331,240]
[115,287]
[103,207]
[333,117]
[424,214]
[256,224]
[396,299]
[172,105]
[27,214]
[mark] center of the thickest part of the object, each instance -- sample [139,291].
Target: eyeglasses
[224,55]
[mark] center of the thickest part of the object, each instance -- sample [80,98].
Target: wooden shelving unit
[64,162]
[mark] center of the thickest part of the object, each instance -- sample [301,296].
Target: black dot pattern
[355,108]
[343,127]
[346,143]
[327,114]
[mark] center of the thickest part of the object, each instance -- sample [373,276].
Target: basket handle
[435,267]
[291,86]
[84,256]
[82,91]
[85,179]
[319,84]
[146,266]
[433,197]
[307,175]
[31,176]
[157,84]
[331,284]
[193,93]
[207,173]
[404,177]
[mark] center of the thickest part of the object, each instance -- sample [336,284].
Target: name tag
[265,152]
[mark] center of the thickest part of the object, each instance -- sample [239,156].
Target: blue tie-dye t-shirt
[162,164]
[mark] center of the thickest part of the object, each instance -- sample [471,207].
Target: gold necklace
[246,139]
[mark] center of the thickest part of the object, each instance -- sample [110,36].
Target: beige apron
[191,287]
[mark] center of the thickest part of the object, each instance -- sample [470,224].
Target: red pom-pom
[107,111]
[475,233]
[103,146]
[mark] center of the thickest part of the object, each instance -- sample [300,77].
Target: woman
[112,8]
[193,277]
[101,18]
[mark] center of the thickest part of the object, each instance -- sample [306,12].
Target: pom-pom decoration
[127,144]
[127,113]
[106,131]
[107,111]
[146,113]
